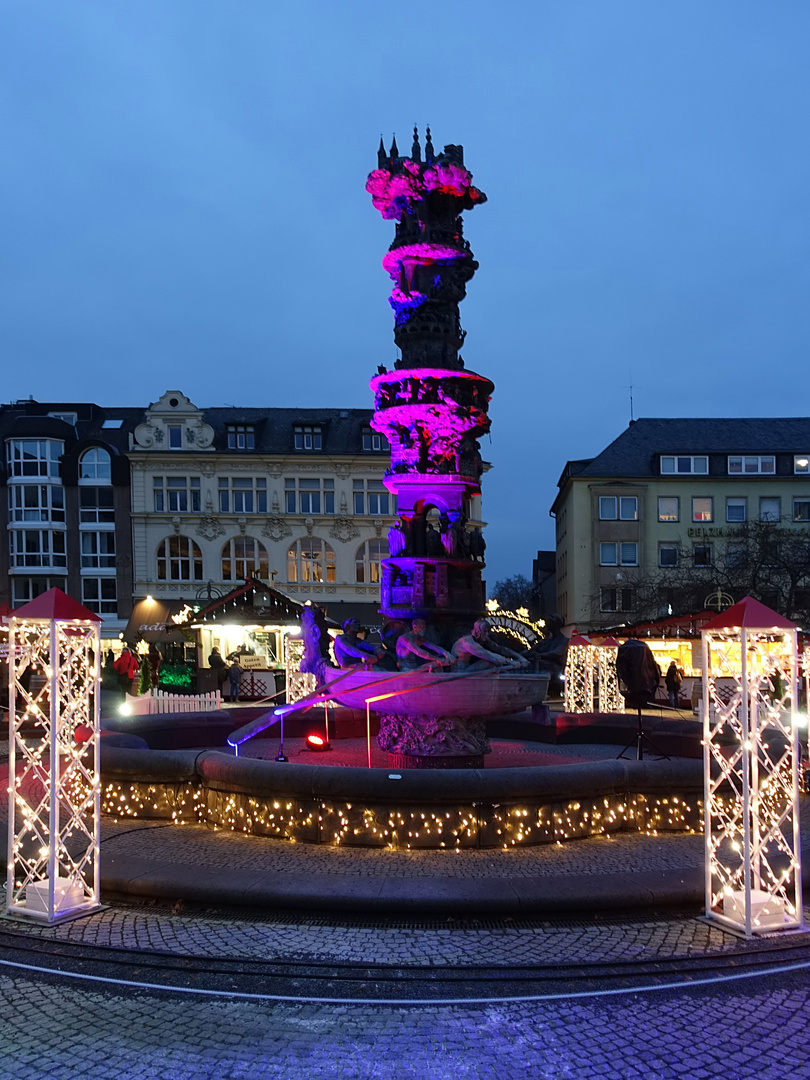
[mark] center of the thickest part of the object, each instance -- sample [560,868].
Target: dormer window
[372,440]
[801,463]
[241,437]
[750,464]
[307,438]
[175,437]
[683,464]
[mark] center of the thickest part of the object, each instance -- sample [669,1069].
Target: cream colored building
[292,496]
[668,495]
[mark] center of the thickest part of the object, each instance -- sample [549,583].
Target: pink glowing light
[420,254]
[394,194]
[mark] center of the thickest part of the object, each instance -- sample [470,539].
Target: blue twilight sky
[182,190]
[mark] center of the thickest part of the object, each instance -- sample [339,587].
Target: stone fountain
[433,411]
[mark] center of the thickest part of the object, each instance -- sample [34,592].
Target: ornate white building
[292,496]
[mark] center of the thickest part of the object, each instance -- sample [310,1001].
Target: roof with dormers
[635,453]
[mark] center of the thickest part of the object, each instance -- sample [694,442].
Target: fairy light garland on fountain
[347,822]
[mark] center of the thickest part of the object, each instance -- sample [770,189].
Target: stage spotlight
[317,743]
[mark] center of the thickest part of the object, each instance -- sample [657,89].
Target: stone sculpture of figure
[433,543]
[478,544]
[446,534]
[458,534]
[396,539]
[477,651]
[316,641]
[392,630]
[413,650]
[350,650]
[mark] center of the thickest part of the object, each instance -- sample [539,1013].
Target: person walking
[126,668]
[673,680]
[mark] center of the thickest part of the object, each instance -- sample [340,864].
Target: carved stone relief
[276,528]
[344,529]
[210,527]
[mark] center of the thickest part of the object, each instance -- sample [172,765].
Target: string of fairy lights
[54,781]
[344,822]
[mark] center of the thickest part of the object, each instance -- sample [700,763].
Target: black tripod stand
[641,738]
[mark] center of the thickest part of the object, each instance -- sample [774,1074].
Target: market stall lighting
[54,779]
[751,747]
[579,672]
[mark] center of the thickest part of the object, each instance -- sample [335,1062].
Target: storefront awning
[151,620]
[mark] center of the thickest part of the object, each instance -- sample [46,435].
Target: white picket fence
[161,701]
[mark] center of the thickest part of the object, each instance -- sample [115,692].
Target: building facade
[182,504]
[675,511]
[66,512]
[292,496]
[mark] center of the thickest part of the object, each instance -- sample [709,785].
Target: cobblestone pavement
[754,1029]
[227,934]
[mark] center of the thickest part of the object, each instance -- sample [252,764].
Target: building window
[702,554]
[371,497]
[96,506]
[244,557]
[99,595]
[667,554]
[242,495]
[24,589]
[801,463]
[617,600]
[703,508]
[608,508]
[36,502]
[309,496]
[669,508]
[367,561]
[801,509]
[177,494]
[311,560]
[373,440]
[736,509]
[735,556]
[628,554]
[241,437]
[67,417]
[37,547]
[770,509]
[34,457]
[94,464]
[98,550]
[175,437]
[685,464]
[307,438]
[179,559]
[738,464]
[608,554]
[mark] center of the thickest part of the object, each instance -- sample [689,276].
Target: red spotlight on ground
[317,743]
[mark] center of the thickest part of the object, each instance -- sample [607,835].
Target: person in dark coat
[673,679]
[219,667]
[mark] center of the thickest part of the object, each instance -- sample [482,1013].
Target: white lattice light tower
[579,675]
[54,782]
[753,861]
[610,700]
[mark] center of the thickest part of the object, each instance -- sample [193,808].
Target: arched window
[94,464]
[179,559]
[310,560]
[367,561]
[244,557]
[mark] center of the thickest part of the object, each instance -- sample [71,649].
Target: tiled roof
[636,451]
